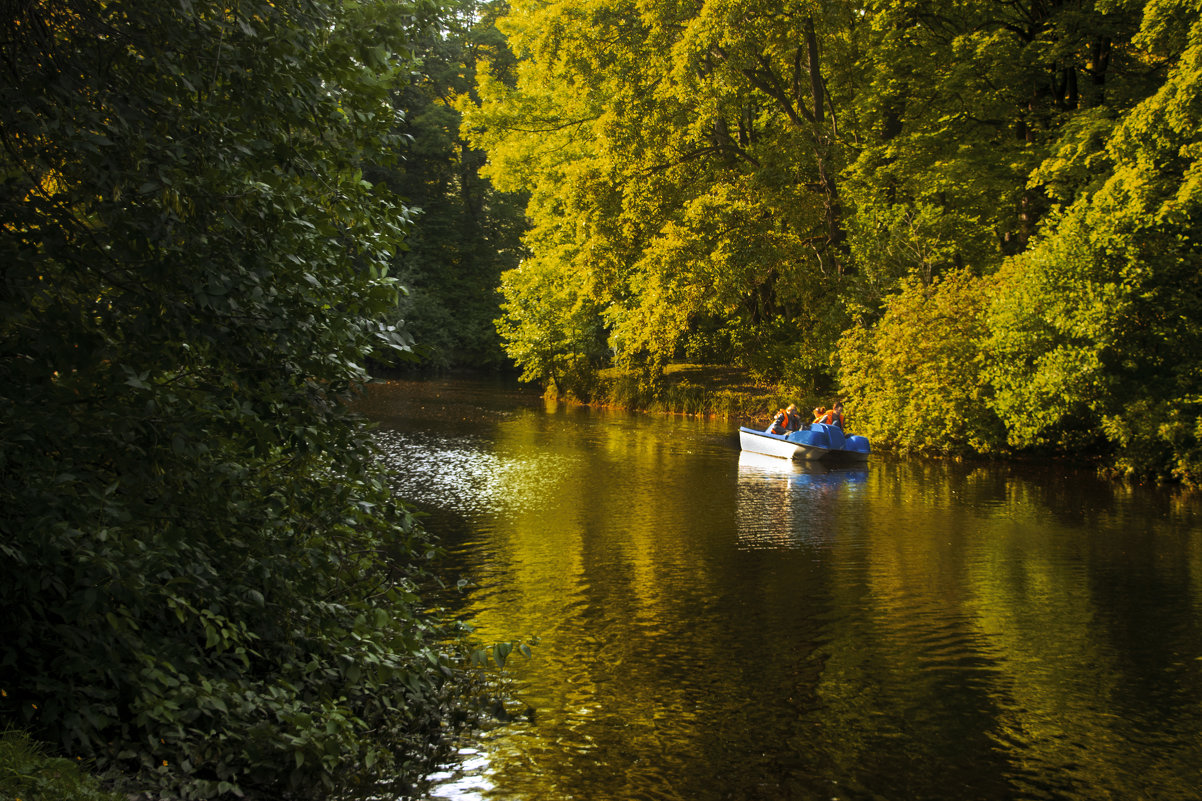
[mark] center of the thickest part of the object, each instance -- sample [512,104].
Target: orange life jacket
[831,418]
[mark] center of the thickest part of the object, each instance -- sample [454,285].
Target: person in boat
[833,417]
[819,413]
[786,420]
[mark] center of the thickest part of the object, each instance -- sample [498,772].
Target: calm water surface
[713,626]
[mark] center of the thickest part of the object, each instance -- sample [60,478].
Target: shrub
[27,773]
[913,380]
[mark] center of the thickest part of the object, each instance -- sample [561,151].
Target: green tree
[1099,329]
[915,378]
[961,106]
[683,167]
[538,130]
[205,580]
[468,233]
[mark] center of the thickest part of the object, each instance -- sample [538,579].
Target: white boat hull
[776,445]
[853,448]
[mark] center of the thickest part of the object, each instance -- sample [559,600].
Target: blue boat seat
[815,437]
[834,433]
[857,444]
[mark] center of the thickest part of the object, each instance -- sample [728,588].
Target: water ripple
[458,473]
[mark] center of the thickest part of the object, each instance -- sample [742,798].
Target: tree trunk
[833,212]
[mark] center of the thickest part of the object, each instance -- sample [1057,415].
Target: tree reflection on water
[713,626]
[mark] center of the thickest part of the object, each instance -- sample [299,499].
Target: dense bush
[914,379]
[206,583]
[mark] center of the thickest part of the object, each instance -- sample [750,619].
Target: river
[711,626]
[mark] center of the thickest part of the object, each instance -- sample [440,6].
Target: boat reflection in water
[791,504]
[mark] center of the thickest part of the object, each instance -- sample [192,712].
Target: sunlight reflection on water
[456,472]
[464,780]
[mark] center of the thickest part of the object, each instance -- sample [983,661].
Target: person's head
[839,407]
[792,407]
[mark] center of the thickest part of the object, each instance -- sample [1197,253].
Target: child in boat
[832,417]
[786,420]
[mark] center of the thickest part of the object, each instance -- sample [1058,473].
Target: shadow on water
[718,626]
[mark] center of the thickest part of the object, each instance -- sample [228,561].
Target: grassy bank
[28,773]
[695,389]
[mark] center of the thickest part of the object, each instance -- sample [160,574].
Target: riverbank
[704,390]
[736,395]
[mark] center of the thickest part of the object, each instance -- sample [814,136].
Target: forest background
[975,221]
